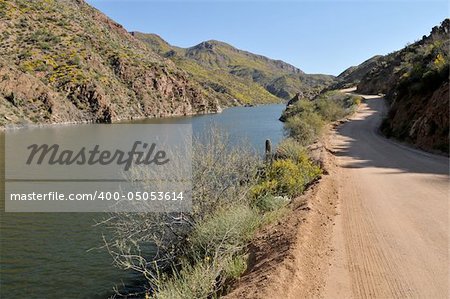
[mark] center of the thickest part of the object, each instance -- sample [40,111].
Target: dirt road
[392,232]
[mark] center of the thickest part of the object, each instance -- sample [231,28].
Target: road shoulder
[291,258]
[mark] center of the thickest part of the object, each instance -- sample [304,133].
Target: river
[49,255]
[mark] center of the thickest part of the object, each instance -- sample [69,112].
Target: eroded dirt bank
[290,258]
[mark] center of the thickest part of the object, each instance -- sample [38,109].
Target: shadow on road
[367,148]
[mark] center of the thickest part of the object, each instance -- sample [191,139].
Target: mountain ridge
[279,78]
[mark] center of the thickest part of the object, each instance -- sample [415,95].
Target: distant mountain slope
[219,64]
[64,61]
[353,75]
[416,83]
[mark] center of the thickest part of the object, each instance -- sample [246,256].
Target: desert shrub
[305,128]
[75,60]
[293,150]
[236,266]
[357,100]
[330,109]
[225,231]
[304,121]
[286,177]
[334,105]
[302,106]
[42,35]
[270,203]
[289,149]
[25,55]
[195,280]
[222,177]
[203,278]
[213,256]
[222,173]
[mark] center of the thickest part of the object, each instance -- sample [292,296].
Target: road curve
[391,235]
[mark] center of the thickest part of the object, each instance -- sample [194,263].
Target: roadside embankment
[289,258]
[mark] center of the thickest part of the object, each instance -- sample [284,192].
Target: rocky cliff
[64,61]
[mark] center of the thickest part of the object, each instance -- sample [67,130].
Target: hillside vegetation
[353,75]
[416,83]
[239,74]
[305,119]
[64,61]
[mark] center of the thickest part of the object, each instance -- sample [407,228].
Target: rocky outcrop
[424,122]
[428,129]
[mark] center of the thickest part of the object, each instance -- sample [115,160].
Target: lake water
[48,255]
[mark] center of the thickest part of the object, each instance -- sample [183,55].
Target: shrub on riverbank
[198,254]
[286,176]
[214,256]
[305,127]
[305,119]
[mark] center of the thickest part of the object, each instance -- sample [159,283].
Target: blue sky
[316,36]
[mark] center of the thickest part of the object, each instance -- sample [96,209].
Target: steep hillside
[64,61]
[353,75]
[416,83]
[229,89]
[219,64]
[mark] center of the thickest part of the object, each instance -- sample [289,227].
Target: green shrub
[25,55]
[286,177]
[305,119]
[330,109]
[305,128]
[202,279]
[193,281]
[225,231]
[235,266]
[290,149]
[270,203]
[303,105]
[214,255]
[357,100]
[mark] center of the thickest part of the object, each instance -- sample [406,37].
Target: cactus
[268,151]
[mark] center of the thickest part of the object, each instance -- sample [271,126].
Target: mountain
[64,61]
[228,89]
[416,83]
[236,73]
[353,75]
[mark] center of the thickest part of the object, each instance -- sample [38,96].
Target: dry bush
[151,243]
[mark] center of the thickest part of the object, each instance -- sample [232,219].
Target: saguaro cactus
[268,151]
